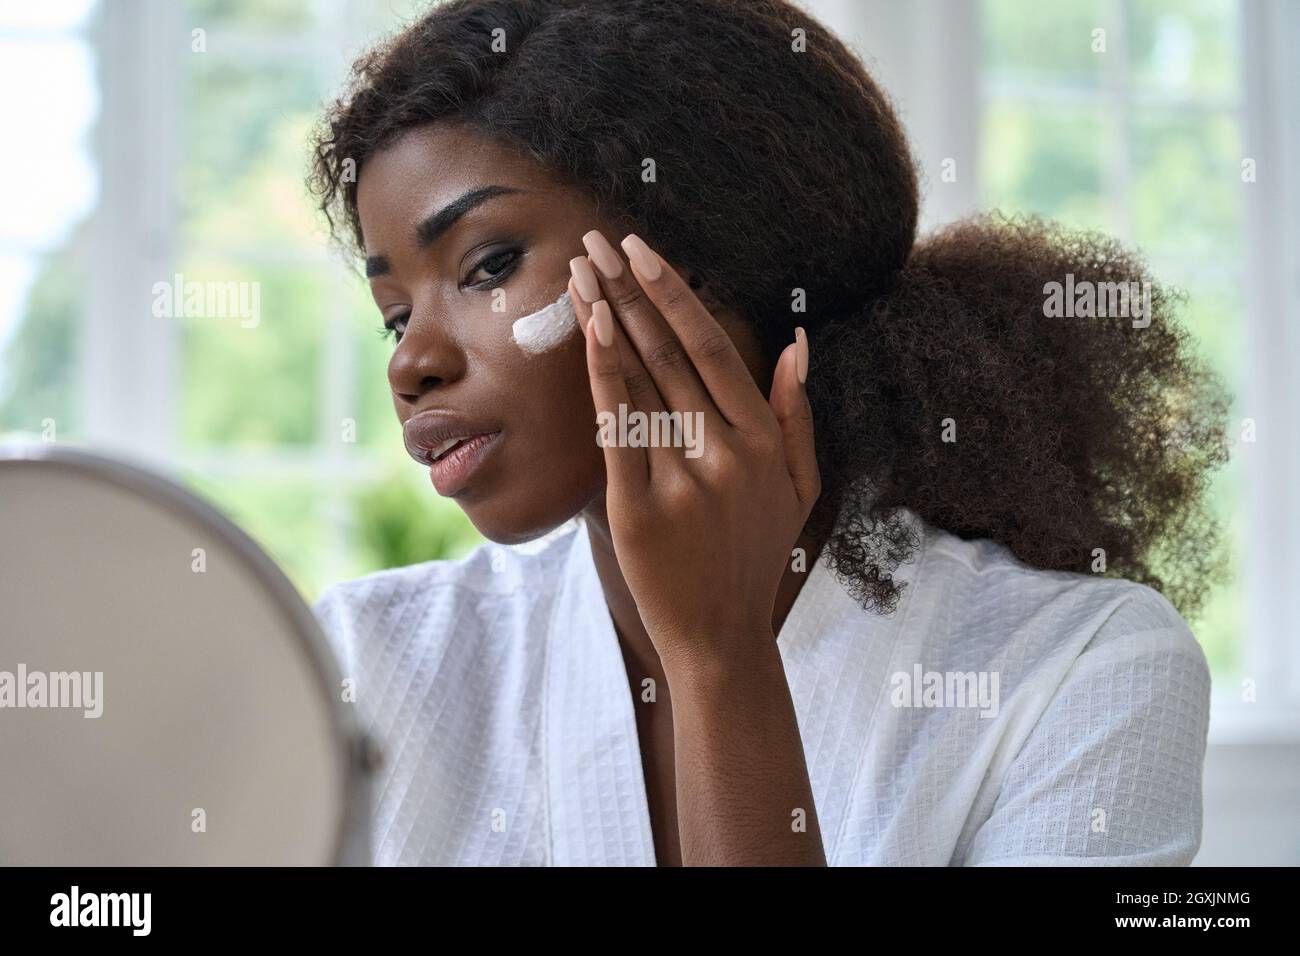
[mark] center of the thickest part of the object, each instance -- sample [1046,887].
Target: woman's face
[452,286]
[462,237]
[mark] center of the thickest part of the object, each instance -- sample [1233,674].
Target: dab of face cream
[548,328]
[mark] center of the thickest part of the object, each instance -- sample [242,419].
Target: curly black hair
[783,176]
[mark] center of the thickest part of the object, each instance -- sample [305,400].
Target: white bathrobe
[497,689]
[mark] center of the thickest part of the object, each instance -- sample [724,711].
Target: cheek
[562,426]
[555,395]
[554,468]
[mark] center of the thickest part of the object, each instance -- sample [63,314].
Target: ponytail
[964,395]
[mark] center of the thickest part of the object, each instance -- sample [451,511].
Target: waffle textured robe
[497,690]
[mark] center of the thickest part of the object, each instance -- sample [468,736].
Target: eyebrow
[436,223]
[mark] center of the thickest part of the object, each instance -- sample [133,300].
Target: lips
[452,445]
[431,435]
[452,473]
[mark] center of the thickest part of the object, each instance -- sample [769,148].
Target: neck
[638,650]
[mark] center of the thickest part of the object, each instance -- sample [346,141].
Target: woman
[896,583]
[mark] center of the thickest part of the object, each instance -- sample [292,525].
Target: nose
[423,360]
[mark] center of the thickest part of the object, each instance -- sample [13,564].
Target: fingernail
[643,260]
[604,320]
[585,280]
[603,255]
[801,354]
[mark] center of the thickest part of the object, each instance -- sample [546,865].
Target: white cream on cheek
[547,329]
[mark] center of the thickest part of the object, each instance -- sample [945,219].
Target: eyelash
[389,328]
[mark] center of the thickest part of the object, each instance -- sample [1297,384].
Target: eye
[496,266]
[395,327]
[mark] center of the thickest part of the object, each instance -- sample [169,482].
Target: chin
[504,520]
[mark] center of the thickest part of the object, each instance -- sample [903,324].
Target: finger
[640,386]
[661,352]
[626,467]
[794,412]
[730,385]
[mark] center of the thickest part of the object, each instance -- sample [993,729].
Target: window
[1143,130]
[48,185]
[168,147]
[312,458]
[272,401]
[1127,117]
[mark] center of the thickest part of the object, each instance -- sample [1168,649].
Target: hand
[703,534]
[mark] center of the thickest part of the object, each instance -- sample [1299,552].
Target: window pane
[391,522]
[282,516]
[361,20]
[253,14]
[1184,47]
[398,520]
[1221,625]
[383,17]
[47,181]
[40,306]
[48,187]
[241,181]
[371,401]
[48,15]
[249,377]
[1044,160]
[1213,311]
[1186,184]
[1213,314]
[1029,43]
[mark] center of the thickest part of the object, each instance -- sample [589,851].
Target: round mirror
[166,697]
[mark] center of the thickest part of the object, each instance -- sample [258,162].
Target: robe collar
[836,657]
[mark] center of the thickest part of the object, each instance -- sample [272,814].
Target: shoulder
[1104,707]
[1006,611]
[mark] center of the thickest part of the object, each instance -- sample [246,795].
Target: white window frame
[1270,39]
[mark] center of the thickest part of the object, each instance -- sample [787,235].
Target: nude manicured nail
[801,354]
[603,255]
[604,320]
[642,259]
[584,279]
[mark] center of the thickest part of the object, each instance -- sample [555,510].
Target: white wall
[1252,806]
